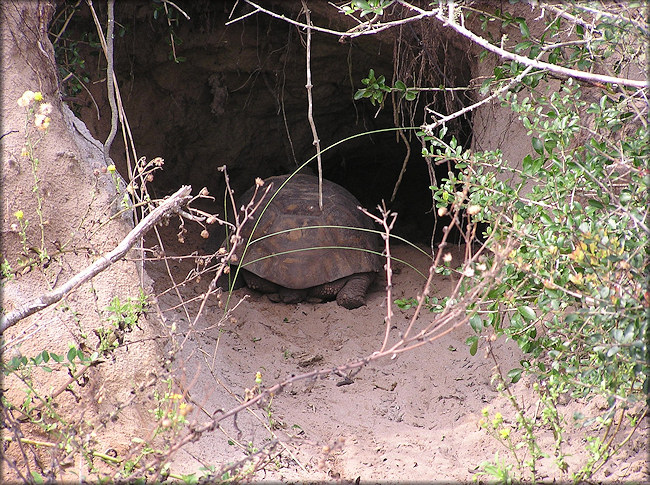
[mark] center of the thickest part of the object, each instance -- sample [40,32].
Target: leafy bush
[573,293]
[581,256]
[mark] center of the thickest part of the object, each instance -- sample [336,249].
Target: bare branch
[354,32]
[310,106]
[448,19]
[387,221]
[444,119]
[573,73]
[107,45]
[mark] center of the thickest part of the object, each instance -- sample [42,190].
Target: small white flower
[45,109]
[26,99]
[41,121]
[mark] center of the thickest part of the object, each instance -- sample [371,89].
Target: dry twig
[310,108]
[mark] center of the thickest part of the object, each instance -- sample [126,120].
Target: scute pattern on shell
[297,264]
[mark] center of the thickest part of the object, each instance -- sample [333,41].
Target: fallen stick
[169,205]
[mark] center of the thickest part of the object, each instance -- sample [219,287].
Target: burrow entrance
[210,91]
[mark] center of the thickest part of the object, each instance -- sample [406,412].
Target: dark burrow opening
[213,91]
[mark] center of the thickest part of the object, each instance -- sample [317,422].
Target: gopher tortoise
[295,254]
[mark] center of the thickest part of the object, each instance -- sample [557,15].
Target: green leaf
[523,28]
[532,165]
[523,46]
[400,85]
[485,86]
[515,374]
[191,479]
[37,477]
[625,197]
[527,312]
[527,164]
[595,203]
[538,145]
[549,145]
[473,344]
[476,323]
[72,353]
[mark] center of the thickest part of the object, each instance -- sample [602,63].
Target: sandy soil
[414,417]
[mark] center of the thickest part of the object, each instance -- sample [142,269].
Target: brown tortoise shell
[290,259]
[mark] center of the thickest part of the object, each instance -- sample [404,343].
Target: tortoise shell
[294,244]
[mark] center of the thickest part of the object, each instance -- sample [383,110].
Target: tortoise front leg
[353,294]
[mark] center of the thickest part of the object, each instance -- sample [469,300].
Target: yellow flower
[19,215]
[184,409]
[38,96]
[258,378]
[485,411]
[498,419]
[505,433]
[111,168]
